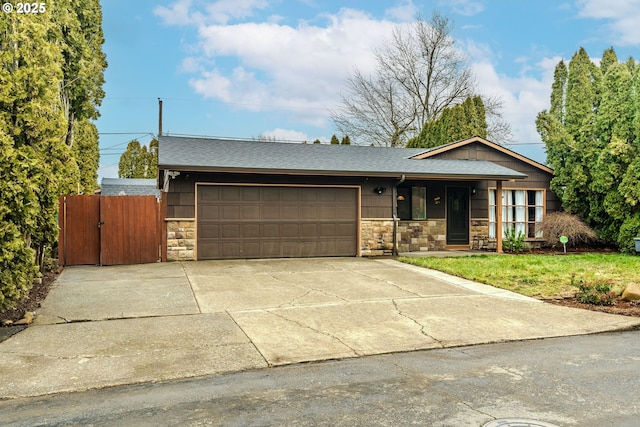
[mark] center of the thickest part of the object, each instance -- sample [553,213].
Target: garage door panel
[251,194]
[251,212]
[344,229]
[230,212]
[344,247]
[309,230]
[326,229]
[230,231]
[206,212]
[270,230]
[271,221]
[231,194]
[230,250]
[289,230]
[289,194]
[209,194]
[250,230]
[288,212]
[327,212]
[270,212]
[211,249]
[308,212]
[289,248]
[212,231]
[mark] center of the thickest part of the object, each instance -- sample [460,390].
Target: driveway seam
[249,338]
[195,298]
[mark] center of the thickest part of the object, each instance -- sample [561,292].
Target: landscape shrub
[513,242]
[17,269]
[596,293]
[558,224]
[629,230]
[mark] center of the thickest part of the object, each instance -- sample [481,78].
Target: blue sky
[245,68]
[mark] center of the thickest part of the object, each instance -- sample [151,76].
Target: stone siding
[376,237]
[181,235]
[412,236]
[417,236]
[480,235]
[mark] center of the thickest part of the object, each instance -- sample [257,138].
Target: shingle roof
[129,187]
[200,154]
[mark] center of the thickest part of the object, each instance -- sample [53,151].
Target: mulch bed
[32,302]
[624,308]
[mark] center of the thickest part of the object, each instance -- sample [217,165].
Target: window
[412,203]
[522,210]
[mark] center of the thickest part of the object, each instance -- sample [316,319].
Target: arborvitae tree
[138,161]
[454,124]
[37,163]
[335,140]
[345,140]
[591,134]
[317,141]
[87,155]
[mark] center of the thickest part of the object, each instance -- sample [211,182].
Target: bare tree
[418,74]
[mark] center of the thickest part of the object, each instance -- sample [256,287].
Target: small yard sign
[564,240]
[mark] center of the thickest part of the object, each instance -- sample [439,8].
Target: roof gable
[433,152]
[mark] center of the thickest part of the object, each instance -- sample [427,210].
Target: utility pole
[159,117]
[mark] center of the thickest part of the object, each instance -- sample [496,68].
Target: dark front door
[457,216]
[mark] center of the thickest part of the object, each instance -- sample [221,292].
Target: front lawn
[539,275]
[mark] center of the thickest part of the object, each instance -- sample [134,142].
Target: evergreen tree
[456,123]
[138,161]
[592,140]
[346,140]
[335,140]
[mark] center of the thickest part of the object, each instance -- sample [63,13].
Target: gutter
[395,214]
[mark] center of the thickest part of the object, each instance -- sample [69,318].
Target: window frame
[527,225]
[411,200]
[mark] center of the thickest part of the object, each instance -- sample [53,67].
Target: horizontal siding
[536,178]
[181,197]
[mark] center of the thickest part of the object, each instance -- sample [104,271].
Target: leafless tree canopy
[418,74]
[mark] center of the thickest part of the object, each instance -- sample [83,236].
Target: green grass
[539,275]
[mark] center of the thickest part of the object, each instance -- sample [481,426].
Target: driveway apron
[104,326]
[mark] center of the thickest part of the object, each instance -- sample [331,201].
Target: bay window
[522,211]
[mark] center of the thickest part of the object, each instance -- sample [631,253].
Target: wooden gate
[109,230]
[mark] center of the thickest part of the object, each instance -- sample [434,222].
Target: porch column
[499,217]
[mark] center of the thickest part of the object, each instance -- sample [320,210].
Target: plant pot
[637,240]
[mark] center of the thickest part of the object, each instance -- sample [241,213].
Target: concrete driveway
[103,326]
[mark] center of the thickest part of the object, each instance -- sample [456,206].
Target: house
[250,199]
[129,187]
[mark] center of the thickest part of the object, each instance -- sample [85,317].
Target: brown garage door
[276,221]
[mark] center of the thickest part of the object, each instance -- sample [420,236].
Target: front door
[457,216]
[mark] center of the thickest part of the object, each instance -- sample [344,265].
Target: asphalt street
[589,380]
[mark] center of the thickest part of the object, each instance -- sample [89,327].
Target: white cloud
[465,7]
[624,17]
[219,12]
[287,135]
[406,11]
[271,66]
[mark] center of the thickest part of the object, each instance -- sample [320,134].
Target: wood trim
[498,217]
[489,144]
[356,174]
[457,247]
[162,223]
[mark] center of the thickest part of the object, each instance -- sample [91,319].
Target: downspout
[395,214]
